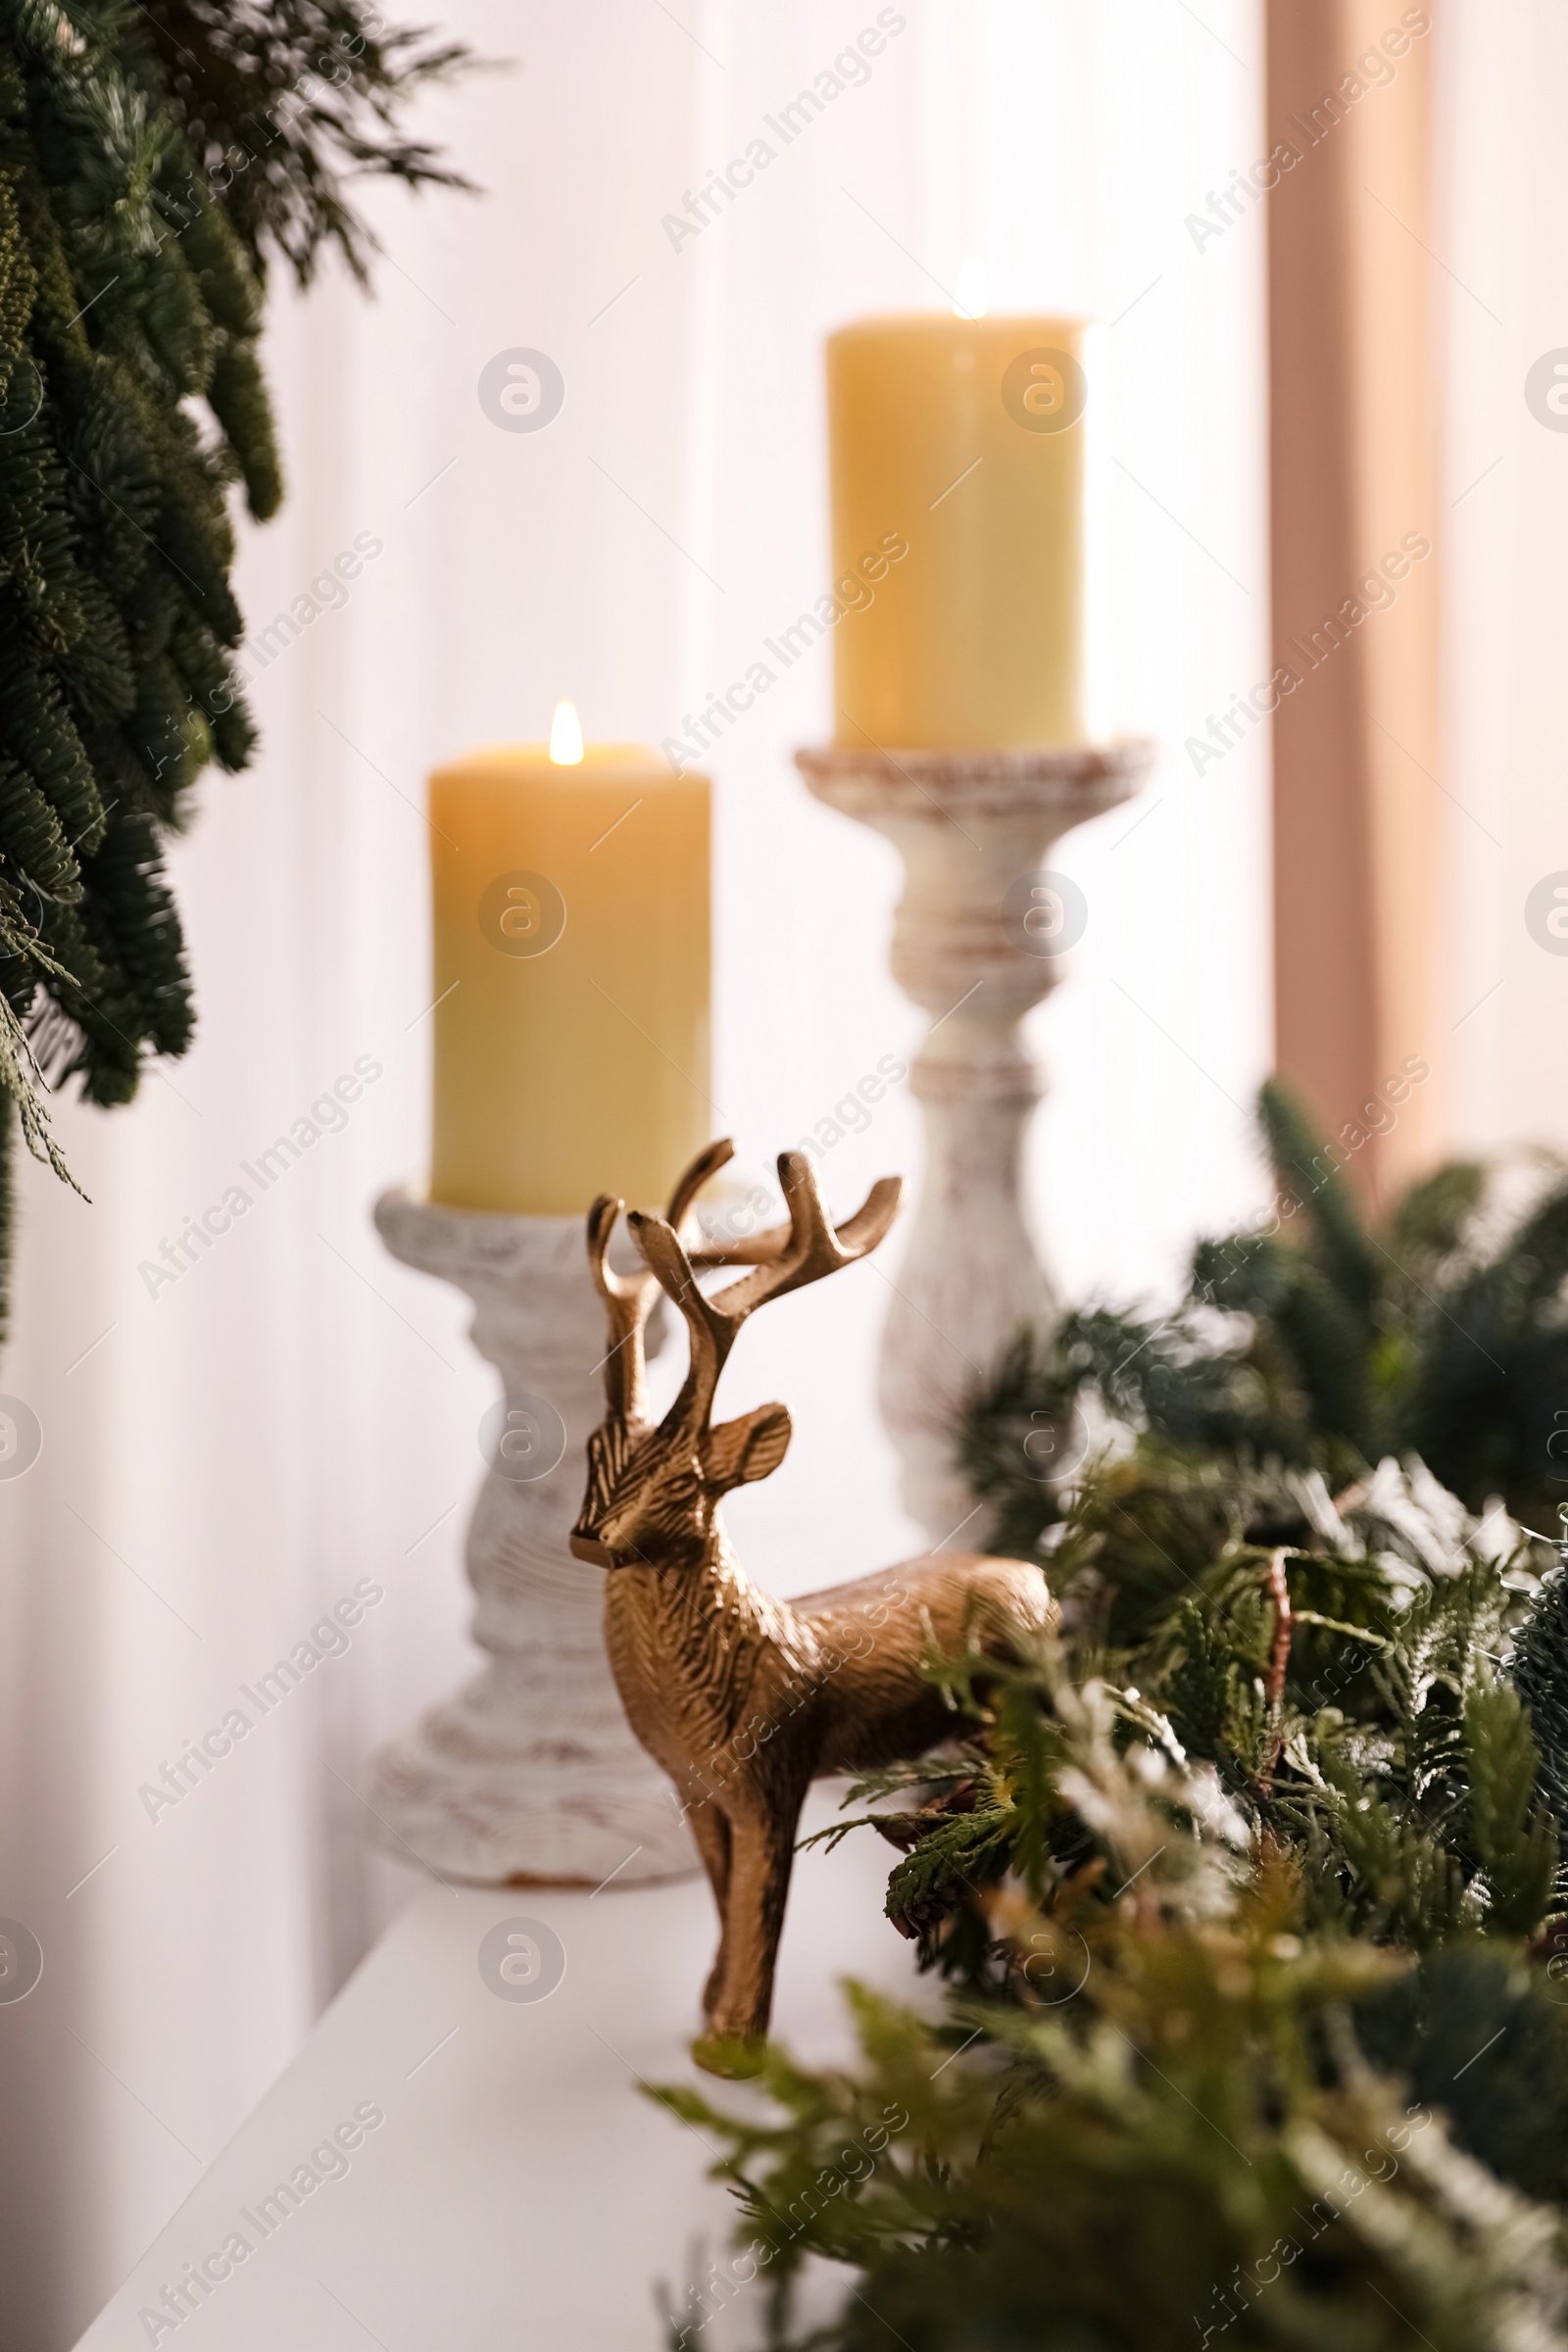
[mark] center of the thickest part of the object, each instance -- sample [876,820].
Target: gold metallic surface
[743,1698]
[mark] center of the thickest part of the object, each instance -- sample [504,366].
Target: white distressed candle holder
[530,1772]
[972,827]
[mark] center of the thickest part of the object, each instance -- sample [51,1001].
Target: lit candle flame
[970,295]
[566,736]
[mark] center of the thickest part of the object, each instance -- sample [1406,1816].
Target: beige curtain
[1356,554]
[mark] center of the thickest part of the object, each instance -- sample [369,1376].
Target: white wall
[298,1411]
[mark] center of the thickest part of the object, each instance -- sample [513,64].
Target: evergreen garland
[1540,1674]
[1378,1742]
[1250,1911]
[1327,1342]
[149,157]
[282,101]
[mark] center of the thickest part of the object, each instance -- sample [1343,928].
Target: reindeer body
[833,1675]
[743,1698]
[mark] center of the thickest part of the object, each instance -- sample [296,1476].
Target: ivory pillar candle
[962,438]
[570,966]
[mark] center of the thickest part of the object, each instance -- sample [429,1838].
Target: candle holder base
[530,1773]
[977,941]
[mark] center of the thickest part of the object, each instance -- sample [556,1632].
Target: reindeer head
[653,1493]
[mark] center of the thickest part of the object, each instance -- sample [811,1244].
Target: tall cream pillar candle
[570,938]
[958,459]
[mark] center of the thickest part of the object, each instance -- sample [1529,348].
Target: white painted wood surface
[521,2190]
[974,830]
[530,1770]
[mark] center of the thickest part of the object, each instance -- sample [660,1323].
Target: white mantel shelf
[522,2190]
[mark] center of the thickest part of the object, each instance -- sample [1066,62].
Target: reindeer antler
[782,1260]
[628,1299]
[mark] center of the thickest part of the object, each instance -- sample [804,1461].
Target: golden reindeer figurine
[721,1682]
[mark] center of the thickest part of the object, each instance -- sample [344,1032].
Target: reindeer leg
[710,1829]
[762,1849]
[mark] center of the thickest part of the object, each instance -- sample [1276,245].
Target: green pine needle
[135,230]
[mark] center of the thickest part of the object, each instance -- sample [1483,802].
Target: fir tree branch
[283,101]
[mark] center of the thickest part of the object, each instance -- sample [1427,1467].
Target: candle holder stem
[531,1770]
[977,941]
